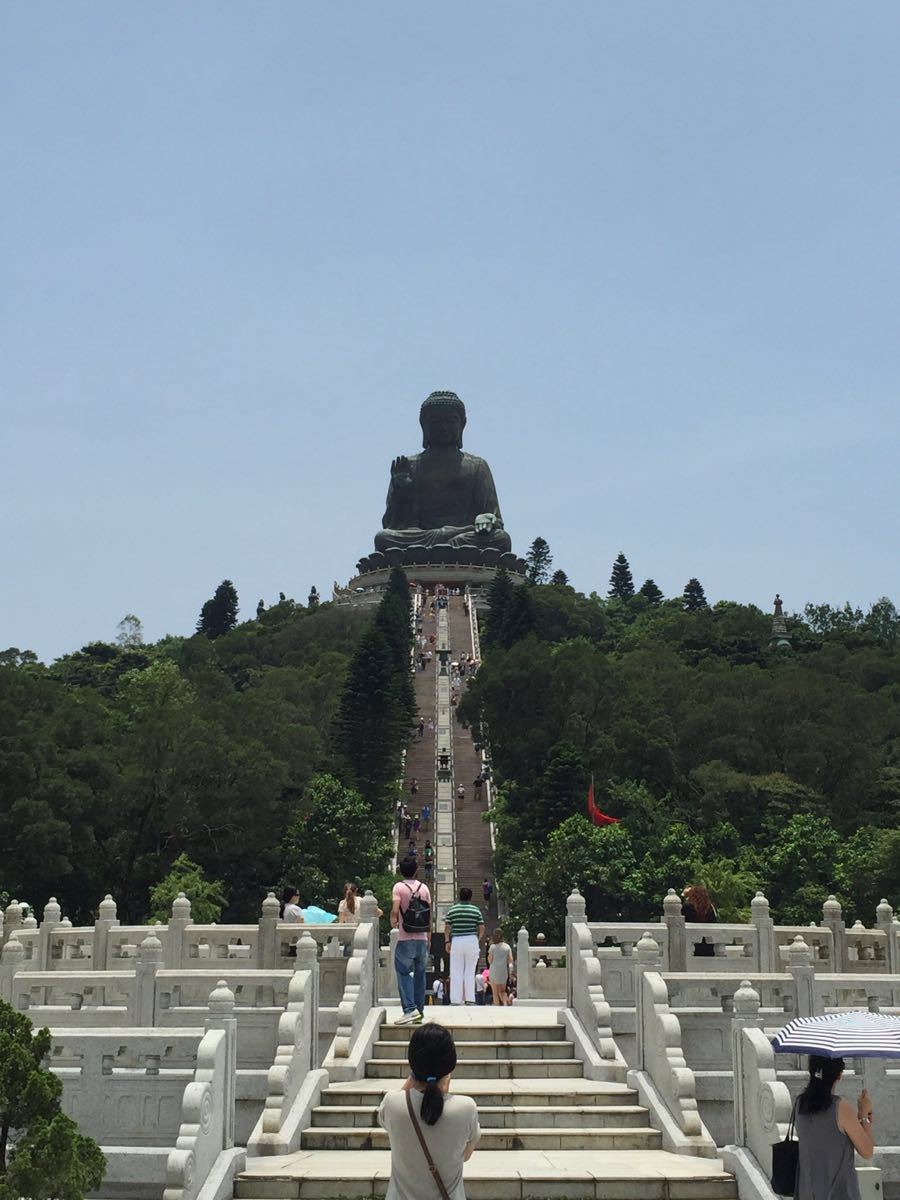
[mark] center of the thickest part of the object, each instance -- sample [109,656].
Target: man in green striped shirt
[463,931]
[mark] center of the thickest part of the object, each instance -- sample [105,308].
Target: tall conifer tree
[694,598]
[621,585]
[219,614]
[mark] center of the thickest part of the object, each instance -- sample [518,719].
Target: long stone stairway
[473,835]
[546,1130]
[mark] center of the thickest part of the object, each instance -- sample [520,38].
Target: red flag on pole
[598,817]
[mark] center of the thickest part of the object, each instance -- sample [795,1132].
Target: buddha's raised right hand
[400,467]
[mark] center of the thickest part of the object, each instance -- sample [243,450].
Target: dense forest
[253,754]
[728,756]
[245,756]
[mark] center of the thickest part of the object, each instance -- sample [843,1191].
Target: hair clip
[431,1079]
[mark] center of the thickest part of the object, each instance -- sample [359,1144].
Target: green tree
[539,560]
[50,1159]
[694,597]
[519,619]
[621,584]
[559,579]
[131,631]
[868,869]
[207,896]
[370,726]
[499,597]
[219,614]
[336,839]
[651,591]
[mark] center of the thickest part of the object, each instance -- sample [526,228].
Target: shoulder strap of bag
[445,1195]
[790,1135]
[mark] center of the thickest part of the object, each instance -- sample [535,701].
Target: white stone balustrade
[294,1069]
[540,969]
[586,996]
[161,1103]
[661,1058]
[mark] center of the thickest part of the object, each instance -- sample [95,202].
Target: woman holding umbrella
[829,1129]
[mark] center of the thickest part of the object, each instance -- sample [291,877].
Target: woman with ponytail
[829,1130]
[431,1132]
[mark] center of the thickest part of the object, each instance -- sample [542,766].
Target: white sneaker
[409,1018]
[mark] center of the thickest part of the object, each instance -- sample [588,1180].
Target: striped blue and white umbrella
[841,1035]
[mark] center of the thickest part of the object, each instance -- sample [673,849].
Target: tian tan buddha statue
[442,496]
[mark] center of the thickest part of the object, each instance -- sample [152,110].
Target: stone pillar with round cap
[673,919]
[12,960]
[221,1016]
[51,919]
[107,919]
[269,916]
[832,918]
[761,919]
[800,965]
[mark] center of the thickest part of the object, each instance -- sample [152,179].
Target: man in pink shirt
[411,917]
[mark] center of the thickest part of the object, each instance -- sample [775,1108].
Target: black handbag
[785,1160]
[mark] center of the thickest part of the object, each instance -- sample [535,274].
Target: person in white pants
[463,931]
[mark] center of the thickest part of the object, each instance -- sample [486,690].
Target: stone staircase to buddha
[547,1131]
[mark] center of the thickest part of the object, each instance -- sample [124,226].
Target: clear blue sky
[654,247]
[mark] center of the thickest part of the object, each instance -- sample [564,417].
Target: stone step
[501,1116]
[468,1050]
[497,1175]
[530,1138]
[480,1033]
[495,1093]
[492,1068]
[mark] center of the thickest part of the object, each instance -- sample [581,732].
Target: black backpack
[416,916]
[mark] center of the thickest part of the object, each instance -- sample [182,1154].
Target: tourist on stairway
[411,917]
[463,931]
[500,964]
[431,1132]
[829,1129]
[698,908]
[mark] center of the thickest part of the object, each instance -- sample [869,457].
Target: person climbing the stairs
[430,1131]
[411,917]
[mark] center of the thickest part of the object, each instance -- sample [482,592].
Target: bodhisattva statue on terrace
[442,496]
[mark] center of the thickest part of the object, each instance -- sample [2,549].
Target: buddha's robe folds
[438,501]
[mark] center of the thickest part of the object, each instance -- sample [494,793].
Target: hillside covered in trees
[249,755]
[726,759]
[254,754]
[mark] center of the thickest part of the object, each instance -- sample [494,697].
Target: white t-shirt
[293,914]
[345,916]
[456,1127]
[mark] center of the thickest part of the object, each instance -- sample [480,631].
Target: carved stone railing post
[12,960]
[746,1016]
[647,957]
[51,919]
[884,920]
[149,961]
[107,919]
[663,1056]
[523,965]
[221,1016]
[800,965]
[576,910]
[832,919]
[673,919]
[765,1104]
[178,922]
[268,932]
[368,916]
[12,919]
[761,917]
[307,960]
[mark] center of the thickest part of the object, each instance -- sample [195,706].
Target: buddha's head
[443,419]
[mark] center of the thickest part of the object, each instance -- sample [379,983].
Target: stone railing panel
[662,1056]
[586,989]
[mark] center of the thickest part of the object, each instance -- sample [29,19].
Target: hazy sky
[653,246]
